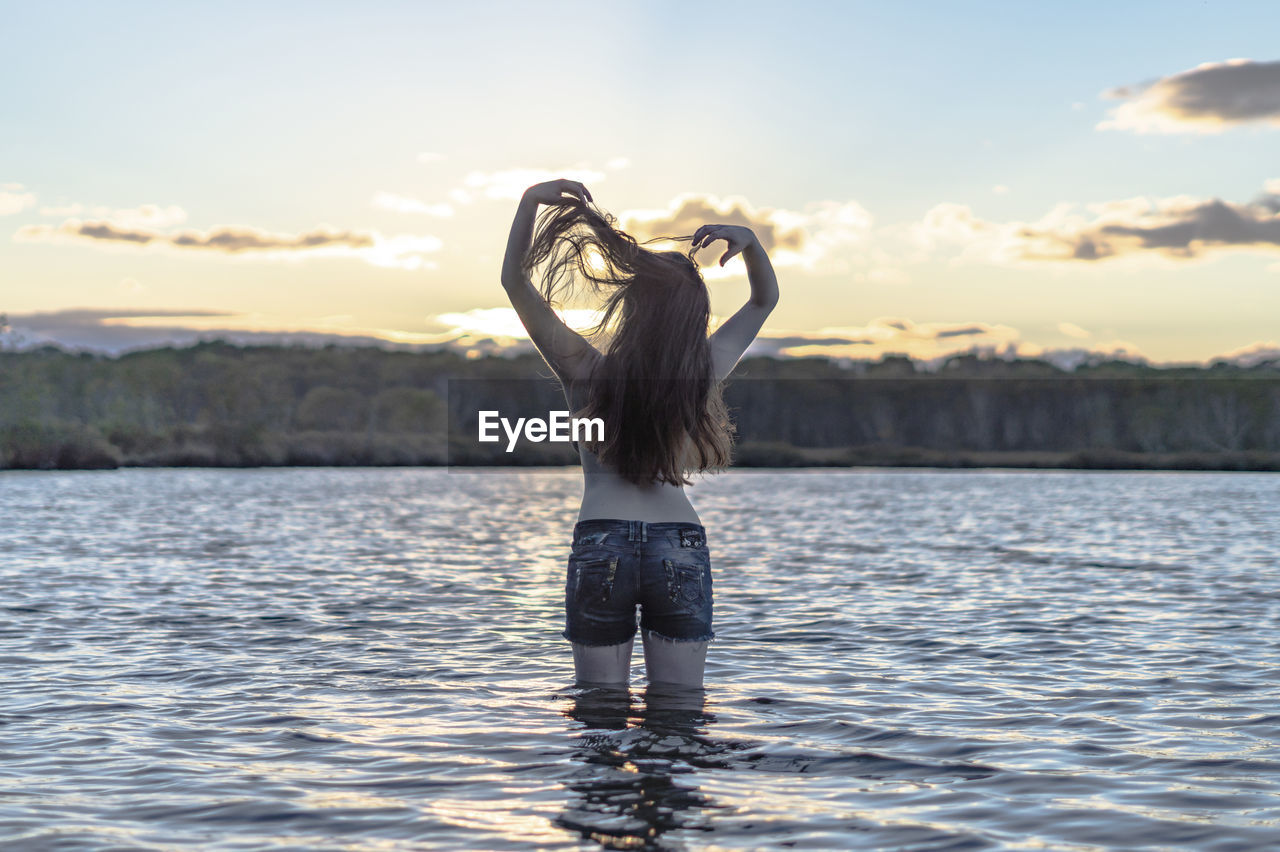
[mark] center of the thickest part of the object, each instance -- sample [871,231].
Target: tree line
[218,404]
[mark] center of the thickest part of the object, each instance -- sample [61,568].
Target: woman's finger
[579,189]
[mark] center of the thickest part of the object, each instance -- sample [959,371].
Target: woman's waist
[611,497]
[620,531]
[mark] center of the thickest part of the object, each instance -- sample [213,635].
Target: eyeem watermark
[561,428]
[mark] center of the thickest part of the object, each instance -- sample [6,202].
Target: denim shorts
[664,567]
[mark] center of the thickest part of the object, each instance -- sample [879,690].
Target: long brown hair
[654,388]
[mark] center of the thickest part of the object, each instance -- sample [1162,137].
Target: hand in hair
[552,191]
[737,236]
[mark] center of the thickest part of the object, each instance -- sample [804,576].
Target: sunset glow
[953,169]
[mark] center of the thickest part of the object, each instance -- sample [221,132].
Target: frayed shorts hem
[652,634]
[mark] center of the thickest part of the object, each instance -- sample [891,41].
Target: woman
[656,385]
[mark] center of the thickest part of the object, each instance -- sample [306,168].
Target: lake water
[370,659]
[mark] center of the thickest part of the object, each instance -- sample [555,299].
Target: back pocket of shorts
[593,579]
[685,584]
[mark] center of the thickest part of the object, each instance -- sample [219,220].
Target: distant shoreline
[216,405]
[792,458]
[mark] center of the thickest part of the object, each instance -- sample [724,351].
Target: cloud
[962,331]
[1181,228]
[116,330]
[949,224]
[1209,98]
[497,331]
[1070,329]
[81,316]
[143,216]
[482,330]
[1255,353]
[511,183]
[404,204]
[403,252]
[100,328]
[881,335]
[882,275]
[953,232]
[505,323]
[14,200]
[931,344]
[430,157]
[894,335]
[833,237]
[811,238]
[1115,350]
[224,238]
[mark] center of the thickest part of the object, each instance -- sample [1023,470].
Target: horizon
[1065,359]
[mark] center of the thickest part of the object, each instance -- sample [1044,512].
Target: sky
[929,178]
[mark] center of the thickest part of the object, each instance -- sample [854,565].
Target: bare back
[606,494]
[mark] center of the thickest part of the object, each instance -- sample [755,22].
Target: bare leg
[666,661]
[603,663]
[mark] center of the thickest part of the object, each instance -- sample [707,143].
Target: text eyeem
[560,428]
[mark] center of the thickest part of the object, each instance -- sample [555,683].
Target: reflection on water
[371,659]
[637,780]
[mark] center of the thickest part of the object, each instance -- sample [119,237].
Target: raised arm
[565,351]
[732,338]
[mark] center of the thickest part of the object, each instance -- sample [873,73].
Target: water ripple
[370,659]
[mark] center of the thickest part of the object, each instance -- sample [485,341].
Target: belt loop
[631,530]
[644,531]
